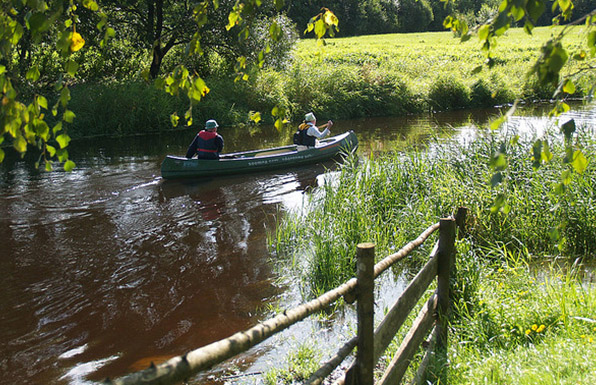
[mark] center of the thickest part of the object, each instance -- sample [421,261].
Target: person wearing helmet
[208,144]
[308,132]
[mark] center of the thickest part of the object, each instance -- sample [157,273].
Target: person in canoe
[208,144]
[308,132]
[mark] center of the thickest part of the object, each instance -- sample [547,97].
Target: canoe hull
[174,167]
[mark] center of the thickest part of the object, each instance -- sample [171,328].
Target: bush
[448,93]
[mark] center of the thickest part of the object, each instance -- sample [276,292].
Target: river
[109,267]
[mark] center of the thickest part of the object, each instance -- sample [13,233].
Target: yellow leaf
[76,42]
[330,18]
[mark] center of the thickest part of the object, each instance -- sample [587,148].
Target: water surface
[109,267]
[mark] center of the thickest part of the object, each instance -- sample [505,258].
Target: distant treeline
[364,17]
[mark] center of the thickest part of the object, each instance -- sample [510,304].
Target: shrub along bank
[380,75]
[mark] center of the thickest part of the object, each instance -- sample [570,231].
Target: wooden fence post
[461,218]
[365,307]
[445,263]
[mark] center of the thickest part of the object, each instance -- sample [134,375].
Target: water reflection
[108,268]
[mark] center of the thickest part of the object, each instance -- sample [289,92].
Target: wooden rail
[371,343]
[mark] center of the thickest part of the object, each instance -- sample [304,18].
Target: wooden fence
[371,343]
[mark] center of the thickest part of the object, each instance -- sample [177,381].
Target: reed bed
[510,322]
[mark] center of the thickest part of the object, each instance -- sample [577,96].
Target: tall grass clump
[121,109]
[448,93]
[344,91]
[390,200]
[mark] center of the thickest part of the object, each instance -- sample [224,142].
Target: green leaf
[560,188]
[592,42]
[48,166]
[477,70]
[63,140]
[580,162]
[566,177]
[69,165]
[537,154]
[528,27]
[37,22]
[495,124]
[42,102]
[68,116]
[569,87]
[1,155]
[535,9]
[498,203]
[503,6]
[62,155]
[174,118]
[90,4]
[51,150]
[275,31]
[254,116]
[483,32]
[72,67]
[320,28]
[546,154]
[517,13]
[496,179]
[564,4]
[554,234]
[560,108]
[233,19]
[499,162]
[568,129]
[64,96]
[279,123]
[32,74]
[448,22]
[57,128]
[20,144]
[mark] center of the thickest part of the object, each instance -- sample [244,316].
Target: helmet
[211,124]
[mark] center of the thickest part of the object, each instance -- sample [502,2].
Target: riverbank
[366,76]
[506,318]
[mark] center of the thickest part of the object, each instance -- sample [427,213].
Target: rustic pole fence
[371,342]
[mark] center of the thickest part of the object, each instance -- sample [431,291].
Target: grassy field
[381,75]
[511,323]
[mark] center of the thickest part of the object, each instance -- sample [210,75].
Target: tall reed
[390,200]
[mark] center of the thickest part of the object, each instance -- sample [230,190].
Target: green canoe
[175,167]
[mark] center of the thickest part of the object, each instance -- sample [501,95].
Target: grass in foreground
[509,326]
[524,329]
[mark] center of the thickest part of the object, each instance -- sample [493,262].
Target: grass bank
[506,318]
[381,75]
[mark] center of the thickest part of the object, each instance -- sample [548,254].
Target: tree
[51,25]
[414,15]
[22,26]
[358,17]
